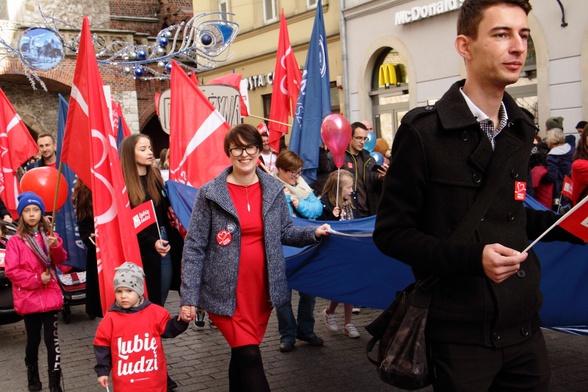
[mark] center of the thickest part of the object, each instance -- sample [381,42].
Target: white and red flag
[89,148]
[197,133]
[144,215]
[287,79]
[16,147]
[233,80]
[574,221]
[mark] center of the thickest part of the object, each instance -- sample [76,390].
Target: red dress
[253,309]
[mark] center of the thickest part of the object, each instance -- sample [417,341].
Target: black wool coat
[440,161]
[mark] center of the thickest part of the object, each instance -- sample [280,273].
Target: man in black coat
[483,327]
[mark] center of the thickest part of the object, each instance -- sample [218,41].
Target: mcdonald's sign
[387,75]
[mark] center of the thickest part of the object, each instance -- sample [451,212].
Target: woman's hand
[162,247]
[187,313]
[7,219]
[322,230]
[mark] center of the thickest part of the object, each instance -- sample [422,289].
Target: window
[223,6]
[311,4]
[270,13]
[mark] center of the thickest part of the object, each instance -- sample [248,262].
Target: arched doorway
[389,93]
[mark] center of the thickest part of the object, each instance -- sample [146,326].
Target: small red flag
[143,216]
[576,220]
[197,133]
[287,79]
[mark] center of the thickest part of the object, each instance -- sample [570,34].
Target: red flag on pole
[197,133]
[233,80]
[16,146]
[287,79]
[577,220]
[89,143]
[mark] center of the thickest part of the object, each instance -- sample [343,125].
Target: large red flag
[286,86]
[233,80]
[89,143]
[16,146]
[197,133]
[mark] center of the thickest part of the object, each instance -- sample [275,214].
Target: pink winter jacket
[24,270]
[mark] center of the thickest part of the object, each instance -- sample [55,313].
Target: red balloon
[336,133]
[42,181]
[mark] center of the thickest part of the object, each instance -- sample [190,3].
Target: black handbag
[402,359]
[402,354]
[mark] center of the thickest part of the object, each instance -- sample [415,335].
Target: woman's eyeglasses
[295,173]
[238,151]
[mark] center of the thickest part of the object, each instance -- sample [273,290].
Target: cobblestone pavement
[198,360]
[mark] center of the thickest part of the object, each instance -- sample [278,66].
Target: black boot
[55,380]
[33,377]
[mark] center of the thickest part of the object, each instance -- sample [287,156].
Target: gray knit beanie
[554,122]
[130,275]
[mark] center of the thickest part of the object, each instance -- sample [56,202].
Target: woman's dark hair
[132,179]
[243,135]
[82,200]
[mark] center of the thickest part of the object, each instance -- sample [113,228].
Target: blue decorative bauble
[142,54]
[138,72]
[370,143]
[163,41]
[206,39]
[168,67]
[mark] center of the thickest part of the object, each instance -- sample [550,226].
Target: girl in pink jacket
[31,256]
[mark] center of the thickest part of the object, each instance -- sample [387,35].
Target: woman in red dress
[233,265]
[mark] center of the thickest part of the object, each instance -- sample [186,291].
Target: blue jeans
[287,324]
[166,269]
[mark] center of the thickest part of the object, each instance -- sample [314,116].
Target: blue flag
[314,100]
[65,219]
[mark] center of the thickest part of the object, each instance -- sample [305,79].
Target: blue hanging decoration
[198,45]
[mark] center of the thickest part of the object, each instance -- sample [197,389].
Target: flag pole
[564,217]
[59,170]
[270,120]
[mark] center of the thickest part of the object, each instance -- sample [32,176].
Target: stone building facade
[134,21]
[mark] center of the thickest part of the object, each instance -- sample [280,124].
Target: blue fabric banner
[314,100]
[65,219]
[348,267]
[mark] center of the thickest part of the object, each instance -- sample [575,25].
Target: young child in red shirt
[128,339]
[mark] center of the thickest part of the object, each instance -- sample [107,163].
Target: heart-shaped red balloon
[336,134]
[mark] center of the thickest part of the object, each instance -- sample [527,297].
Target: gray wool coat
[209,270]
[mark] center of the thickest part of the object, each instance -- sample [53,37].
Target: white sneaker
[351,331]
[331,321]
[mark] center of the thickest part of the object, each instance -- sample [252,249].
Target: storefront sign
[260,80]
[426,11]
